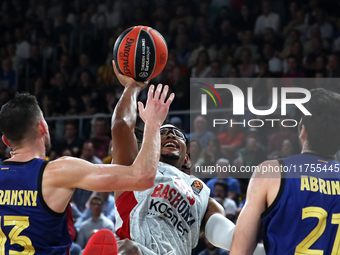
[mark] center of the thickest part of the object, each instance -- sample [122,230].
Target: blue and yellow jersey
[305,216]
[27,224]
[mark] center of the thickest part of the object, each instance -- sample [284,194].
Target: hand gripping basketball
[156,108]
[126,80]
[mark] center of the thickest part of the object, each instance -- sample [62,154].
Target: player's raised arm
[248,224]
[65,174]
[153,115]
[124,142]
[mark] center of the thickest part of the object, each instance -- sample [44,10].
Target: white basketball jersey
[167,218]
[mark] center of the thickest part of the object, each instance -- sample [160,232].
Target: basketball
[140,52]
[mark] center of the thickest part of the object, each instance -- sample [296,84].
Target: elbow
[149,183]
[145,183]
[146,179]
[118,125]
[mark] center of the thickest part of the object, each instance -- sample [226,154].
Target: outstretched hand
[126,80]
[156,108]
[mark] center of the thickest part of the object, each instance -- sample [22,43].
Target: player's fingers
[140,107]
[150,93]
[115,69]
[165,92]
[170,99]
[158,91]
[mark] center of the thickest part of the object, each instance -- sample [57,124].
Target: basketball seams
[151,40]
[130,57]
[149,61]
[161,36]
[117,50]
[155,49]
[161,45]
[134,57]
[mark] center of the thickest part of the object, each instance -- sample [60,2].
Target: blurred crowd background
[61,51]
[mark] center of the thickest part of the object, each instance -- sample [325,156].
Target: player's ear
[187,161]
[43,127]
[5,141]
[303,133]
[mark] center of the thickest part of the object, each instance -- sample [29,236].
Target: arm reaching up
[153,115]
[64,174]
[124,142]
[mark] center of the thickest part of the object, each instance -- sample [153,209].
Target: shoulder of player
[268,169]
[259,181]
[265,180]
[59,162]
[193,179]
[65,164]
[270,162]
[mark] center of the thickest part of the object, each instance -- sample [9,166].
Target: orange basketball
[140,52]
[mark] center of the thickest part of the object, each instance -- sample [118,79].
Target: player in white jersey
[168,218]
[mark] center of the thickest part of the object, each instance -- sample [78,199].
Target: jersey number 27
[321,214]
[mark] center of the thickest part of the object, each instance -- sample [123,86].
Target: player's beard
[170,156]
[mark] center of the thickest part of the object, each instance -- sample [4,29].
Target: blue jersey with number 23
[27,225]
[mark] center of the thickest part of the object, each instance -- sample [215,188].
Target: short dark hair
[323,125]
[223,184]
[19,117]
